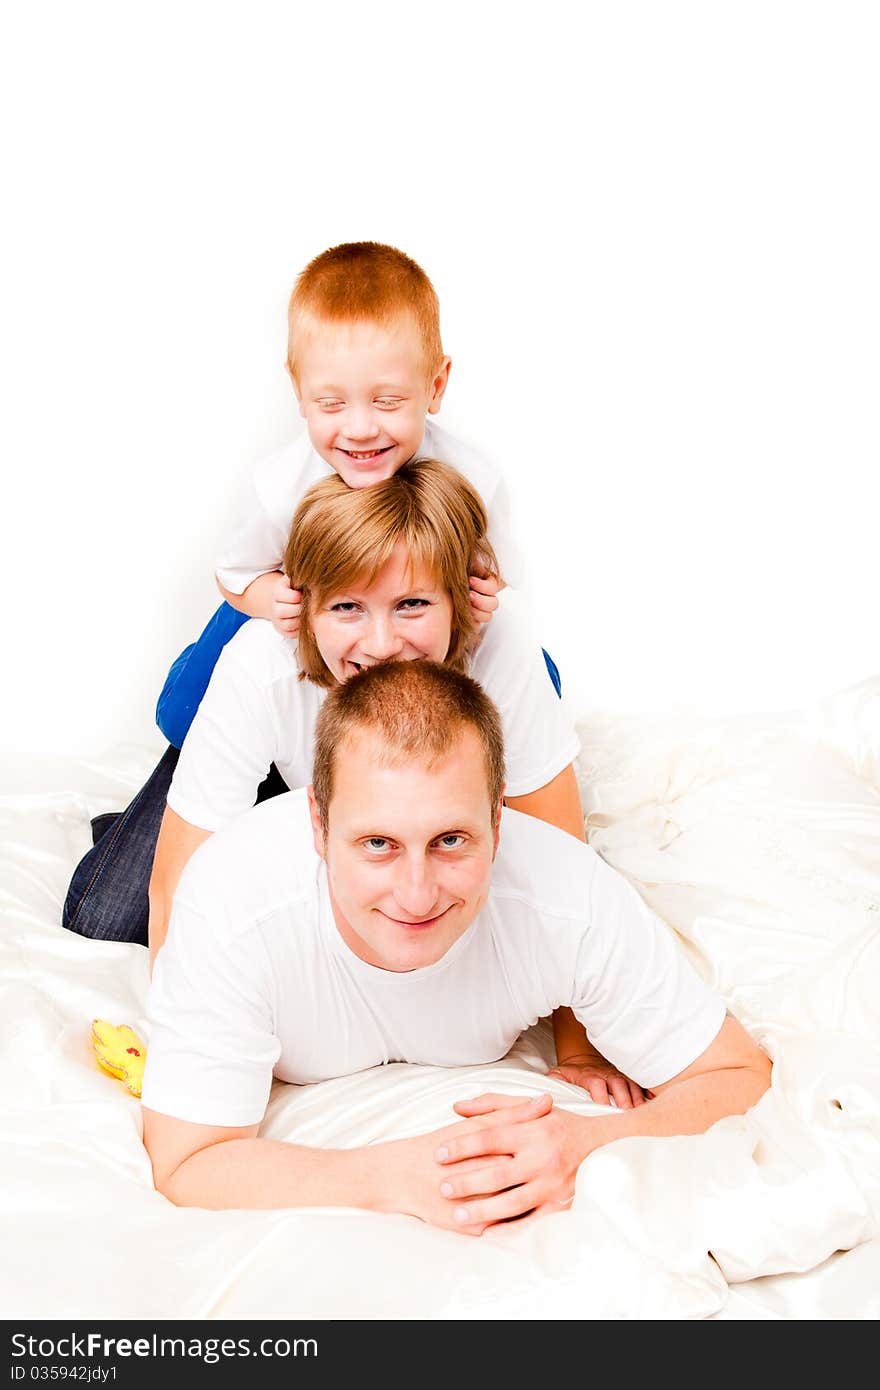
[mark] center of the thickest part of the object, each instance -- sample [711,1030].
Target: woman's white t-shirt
[256,711]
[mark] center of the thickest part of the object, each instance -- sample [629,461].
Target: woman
[384,574]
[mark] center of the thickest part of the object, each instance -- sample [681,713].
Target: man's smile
[421,924]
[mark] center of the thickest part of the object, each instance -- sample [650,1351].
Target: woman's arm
[577,1061]
[176,844]
[559,804]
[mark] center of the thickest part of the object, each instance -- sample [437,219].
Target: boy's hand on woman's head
[286,607]
[484,596]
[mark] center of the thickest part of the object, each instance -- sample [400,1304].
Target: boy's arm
[577,1061]
[176,844]
[484,591]
[269,596]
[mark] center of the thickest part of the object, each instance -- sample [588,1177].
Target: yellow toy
[120,1052]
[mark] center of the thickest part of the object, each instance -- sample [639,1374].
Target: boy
[368,368]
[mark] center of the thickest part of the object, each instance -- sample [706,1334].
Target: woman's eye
[413,605]
[451,841]
[346,606]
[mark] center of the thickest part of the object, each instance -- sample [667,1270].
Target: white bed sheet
[757,840]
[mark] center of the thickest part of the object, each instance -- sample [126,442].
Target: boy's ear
[438,385]
[295,385]
[317,827]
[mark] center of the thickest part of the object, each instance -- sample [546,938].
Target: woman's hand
[605,1084]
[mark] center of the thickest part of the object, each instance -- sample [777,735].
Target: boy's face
[364,393]
[408,849]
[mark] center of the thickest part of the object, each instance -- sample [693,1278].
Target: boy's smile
[364,391]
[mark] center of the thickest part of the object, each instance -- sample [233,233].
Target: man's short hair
[417,709]
[365,282]
[341,535]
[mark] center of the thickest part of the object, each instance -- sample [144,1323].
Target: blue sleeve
[188,678]
[553,672]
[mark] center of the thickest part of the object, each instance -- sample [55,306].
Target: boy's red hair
[365,282]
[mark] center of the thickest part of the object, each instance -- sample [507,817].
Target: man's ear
[497,827]
[317,827]
[438,385]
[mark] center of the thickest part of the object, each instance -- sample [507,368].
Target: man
[388,915]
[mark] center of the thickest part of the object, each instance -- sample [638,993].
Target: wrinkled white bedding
[758,841]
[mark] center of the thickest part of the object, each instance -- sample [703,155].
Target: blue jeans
[188,678]
[107,898]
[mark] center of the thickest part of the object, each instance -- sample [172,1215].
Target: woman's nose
[382,641]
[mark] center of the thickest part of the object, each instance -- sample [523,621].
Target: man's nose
[382,641]
[416,887]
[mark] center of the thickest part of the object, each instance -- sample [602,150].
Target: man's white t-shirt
[257,711]
[258,540]
[254,978]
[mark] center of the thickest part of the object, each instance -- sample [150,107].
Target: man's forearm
[689,1107]
[264,1173]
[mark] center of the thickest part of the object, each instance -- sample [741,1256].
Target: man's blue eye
[376,842]
[456,839]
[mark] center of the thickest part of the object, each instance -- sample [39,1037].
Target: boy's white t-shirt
[254,978]
[257,711]
[258,540]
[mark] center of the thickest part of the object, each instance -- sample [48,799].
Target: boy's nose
[360,426]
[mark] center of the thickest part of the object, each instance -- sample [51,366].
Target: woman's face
[401,616]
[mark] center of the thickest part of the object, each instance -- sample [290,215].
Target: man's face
[402,616]
[408,850]
[363,391]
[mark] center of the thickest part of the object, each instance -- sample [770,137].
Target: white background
[654,230]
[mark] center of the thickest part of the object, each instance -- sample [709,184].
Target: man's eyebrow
[463,825]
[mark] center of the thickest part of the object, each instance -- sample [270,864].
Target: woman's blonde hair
[342,535]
